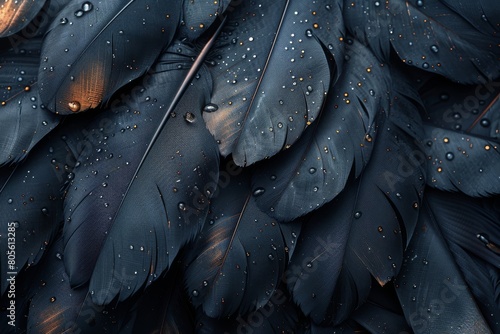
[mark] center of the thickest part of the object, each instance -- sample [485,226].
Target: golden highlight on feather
[12,11]
[87,89]
[52,322]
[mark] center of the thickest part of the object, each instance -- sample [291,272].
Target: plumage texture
[250,167]
[33,212]
[431,288]
[24,118]
[228,242]
[439,36]
[462,136]
[267,89]
[87,55]
[17,14]
[320,163]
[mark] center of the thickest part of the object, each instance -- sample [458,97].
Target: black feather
[463,133]
[279,315]
[270,77]
[32,213]
[316,169]
[470,228]
[163,308]
[23,117]
[457,39]
[433,294]
[15,15]
[94,48]
[171,194]
[365,230]
[240,255]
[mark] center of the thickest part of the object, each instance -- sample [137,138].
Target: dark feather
[24,119]
[316,169]
[278,315]
[462,132]
[457,39]
[172,193]
[365,230]
[470,228]
[433,294]
[271,74]
[15,15]
[94,48]
[382,312]
[240,255]
[34,210]
[164,308]
[110,152]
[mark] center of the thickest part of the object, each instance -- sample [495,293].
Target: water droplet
[485,122]
[87,6]
[270,257]
[425,65]
[63,20]
[358,214]
[380,229]
[372,92]
[189,117]
[104,184]
[450,156]
[259,191]
[309,265]
[10,200]
[59,256]
[79,13]
[211,107]
[45,211]
[195,293]
[182,206]
[434,48]
[312,170]
[420,3]
[309,33]
[74,106]
[205,283]
[52,299]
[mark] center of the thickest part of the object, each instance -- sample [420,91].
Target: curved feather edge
[366,228]
[237,261]
[16,15]
[143,243]
[33,213]
[270,76]
[92,50]
[430,35]
[316,168]
[430,286]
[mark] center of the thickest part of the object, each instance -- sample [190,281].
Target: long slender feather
[175,201]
